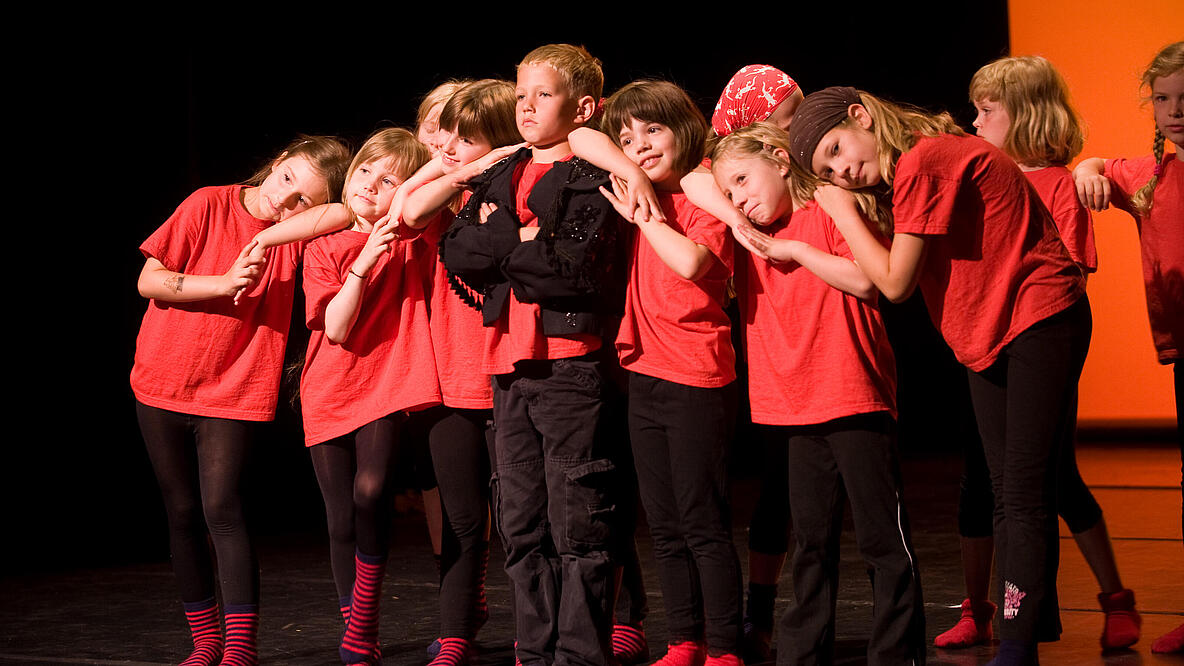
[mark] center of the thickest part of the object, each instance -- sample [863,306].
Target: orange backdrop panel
[1101,48]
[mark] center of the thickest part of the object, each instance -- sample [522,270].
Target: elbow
[866,291]
[897,294]
[336,335]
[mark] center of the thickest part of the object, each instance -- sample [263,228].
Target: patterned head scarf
[751,95]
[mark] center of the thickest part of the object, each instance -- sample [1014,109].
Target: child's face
[755,186]
[992,121]
[292,186]
[1167,99]
[545,110]
[654,148]
[457,150]
[847,157]
[428,130]
[371,187]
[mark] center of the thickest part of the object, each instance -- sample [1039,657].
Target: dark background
[128,123]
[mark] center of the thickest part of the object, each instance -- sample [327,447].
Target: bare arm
[1093,187]
[311,223]
[342,311]
[894,272]
[599,149]
[702,191]
[688,259]
[160,283]
[838,272]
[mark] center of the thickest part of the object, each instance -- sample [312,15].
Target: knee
[369,492]
[223,513]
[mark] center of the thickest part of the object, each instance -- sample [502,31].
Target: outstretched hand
[479,165]
[245,270]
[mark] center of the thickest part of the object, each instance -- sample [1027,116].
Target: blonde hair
[1168,61]
[664,103]
[327,156]
[483,108]
[1045,130]
[394,143]
[581,72]
[760,139]
[437,95]
[896,128]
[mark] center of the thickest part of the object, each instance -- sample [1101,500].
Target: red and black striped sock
[242,625]
[361,631]
[453,652]
[206,630]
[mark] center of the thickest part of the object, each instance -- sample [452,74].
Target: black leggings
[460,456]
[354,473]
[199,464]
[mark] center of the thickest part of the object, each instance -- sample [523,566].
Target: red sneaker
[973,628]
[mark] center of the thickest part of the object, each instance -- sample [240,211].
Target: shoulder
[580,174]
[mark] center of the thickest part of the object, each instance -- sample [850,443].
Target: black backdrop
[128,122]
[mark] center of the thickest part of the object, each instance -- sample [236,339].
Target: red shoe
[687,653]
[1170,643]
[973,628]
[1122,620]
[723,660]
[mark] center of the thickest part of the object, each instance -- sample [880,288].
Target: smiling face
[545,111]
[292,186]
[457,150]
[653,147]
[846,156]
[1167,100]
[755,186]
[371,187]
[992,121]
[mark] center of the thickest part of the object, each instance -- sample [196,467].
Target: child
[822,379]
[675,343]
[206,368]
[1152,190]
[999,285]
[427,117]
[756,93]
[363,371]
[1023,109]
[535,248]
[476,118]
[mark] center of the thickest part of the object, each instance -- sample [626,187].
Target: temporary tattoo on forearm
[174,283]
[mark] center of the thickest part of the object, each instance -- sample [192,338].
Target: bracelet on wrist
[351,272]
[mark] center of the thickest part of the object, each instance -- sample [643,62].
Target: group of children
[549,268]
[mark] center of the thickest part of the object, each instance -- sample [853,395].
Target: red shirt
[676,329]
[518,334]
[994,263]
[1161,243]
[386,364]
[1057,190]
[457,335]
[214,358]
[814,353]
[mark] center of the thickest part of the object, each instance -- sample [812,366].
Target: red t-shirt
[1057,190]
[385,365]
[994,263]
[457,335]
[518,334]
[1161,242]
[214,358]
[675,329]
[814,353]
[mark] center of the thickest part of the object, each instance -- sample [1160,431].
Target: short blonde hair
[437,95]
[659,102]
[760,139]
[1045,130]
[393,143]
[580,71]
[483,108]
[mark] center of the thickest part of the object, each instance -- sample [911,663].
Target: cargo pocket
[588,504]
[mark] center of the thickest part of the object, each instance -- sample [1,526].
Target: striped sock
[344,603]
[629,644]
[361,632]
[206,631]
[453,652]
[242,625]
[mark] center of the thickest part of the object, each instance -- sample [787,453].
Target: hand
[527,233]
[381,237]
[244,272]
[741,230]
[1093,189]
[479,165]
[776,250]
[836,202]
[643,199]
[485,211]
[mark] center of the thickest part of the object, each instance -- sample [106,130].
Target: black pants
[681,436]
[1024,405]
[199,464]
[852,458]
[461,461]
[768,531]
[554,509]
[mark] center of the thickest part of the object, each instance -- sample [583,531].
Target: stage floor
[130,614]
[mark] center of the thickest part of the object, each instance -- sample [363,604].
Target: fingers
[485,211]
